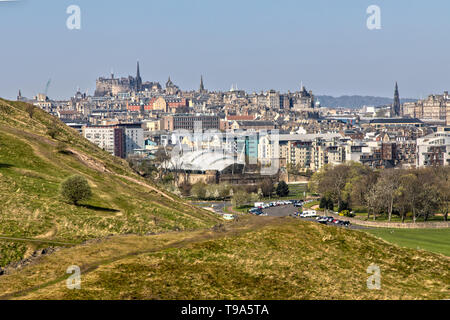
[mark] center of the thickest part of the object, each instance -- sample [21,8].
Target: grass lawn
[434,240]
[296,191]
[311,204]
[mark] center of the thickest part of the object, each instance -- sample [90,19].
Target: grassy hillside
[434,240]
[32,166]
[256,258]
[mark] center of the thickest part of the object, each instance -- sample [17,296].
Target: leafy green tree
[343,206]
[75,189]
[323,203]
[282,189]
[330,204]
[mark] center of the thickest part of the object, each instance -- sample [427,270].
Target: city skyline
[257,45]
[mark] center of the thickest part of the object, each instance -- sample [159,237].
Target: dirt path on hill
[218,232]
[15,239]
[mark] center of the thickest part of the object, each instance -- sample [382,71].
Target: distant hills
[356,102]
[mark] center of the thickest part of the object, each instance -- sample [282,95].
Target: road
[219,206]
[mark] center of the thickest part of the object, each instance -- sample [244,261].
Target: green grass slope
[32,168]
[434,240]
[256,258]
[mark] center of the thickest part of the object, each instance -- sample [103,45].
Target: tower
[202,87]
[396,107]
[138,79]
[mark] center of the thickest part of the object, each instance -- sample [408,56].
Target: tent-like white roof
[204,160]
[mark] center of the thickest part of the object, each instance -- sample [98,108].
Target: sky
[255,44]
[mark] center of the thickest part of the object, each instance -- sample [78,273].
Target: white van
[228,216]
[259,204]
[309,214]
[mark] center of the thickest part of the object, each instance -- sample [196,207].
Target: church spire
[138,79]
[202,87]
[396,107]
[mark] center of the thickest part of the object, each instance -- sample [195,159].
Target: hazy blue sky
[258,44]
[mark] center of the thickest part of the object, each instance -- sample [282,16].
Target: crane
[47,86]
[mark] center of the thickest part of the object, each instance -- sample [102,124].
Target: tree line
[418,193]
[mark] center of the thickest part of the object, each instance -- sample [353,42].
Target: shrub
[30,109]
[240,199]
[346,213]
[199,190]
[53,132]
[75,189]
[185,188]
[282,189]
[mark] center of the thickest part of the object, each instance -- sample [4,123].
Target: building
[434,107]
[396,122]
[120,140]
[304,100]
[114,86]
[434,150]
[190,122]
[252,125]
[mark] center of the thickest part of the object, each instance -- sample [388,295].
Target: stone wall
[394,225]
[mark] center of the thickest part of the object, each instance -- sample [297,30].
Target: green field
[296,191]
[434,240]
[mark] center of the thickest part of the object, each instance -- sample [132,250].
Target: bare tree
[410,190]
[30,109]
[388,185]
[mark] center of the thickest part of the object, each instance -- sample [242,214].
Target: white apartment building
[120,140]
[434,150]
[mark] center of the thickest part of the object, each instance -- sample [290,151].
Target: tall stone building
[396,106]
[434,107]
[303,100]
[138,79]
[202,86]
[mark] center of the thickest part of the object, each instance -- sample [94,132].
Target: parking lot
[287,210]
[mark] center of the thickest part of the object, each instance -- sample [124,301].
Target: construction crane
[47,86]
